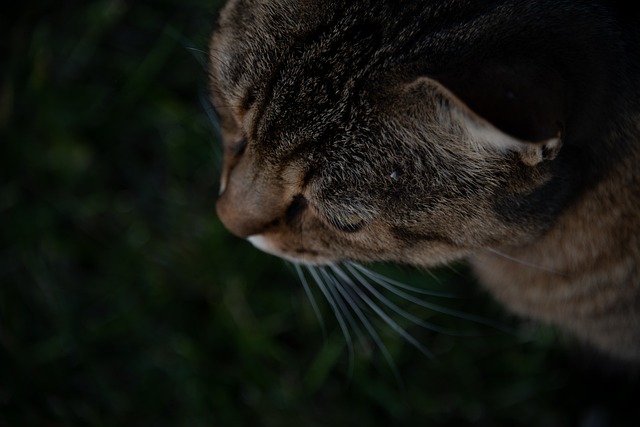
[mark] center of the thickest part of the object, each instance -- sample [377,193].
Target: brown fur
[506,132]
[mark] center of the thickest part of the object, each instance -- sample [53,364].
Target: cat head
[348,135]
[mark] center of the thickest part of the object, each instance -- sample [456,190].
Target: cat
[506,133]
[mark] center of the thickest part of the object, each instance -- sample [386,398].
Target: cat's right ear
[524,99]
[491,118]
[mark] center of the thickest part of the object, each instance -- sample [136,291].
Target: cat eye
[238,148]
[350,223]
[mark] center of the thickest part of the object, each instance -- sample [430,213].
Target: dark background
[124,302]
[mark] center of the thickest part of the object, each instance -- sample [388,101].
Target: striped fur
[421,132]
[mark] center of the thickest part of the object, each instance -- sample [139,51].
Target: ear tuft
[534,153]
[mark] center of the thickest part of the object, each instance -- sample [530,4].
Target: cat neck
[583,272]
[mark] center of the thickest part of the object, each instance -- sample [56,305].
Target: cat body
[421,132]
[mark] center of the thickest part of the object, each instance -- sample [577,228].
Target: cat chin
[266,245]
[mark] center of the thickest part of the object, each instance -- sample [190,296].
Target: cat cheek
[349,224]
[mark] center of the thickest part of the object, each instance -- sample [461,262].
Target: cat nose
[231,219]
[241,219]
[249,206]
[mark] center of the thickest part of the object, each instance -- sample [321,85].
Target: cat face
[338,146]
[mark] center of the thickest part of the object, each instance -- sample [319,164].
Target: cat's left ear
[517,104]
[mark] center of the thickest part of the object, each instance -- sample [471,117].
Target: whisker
[523,262]
[437,280]
[200,55]
[384,316]
[355,305]
[373,275]
[214,120]
[334,285]
[417,321]
[336,312]
[311,299]
[435,307]
[339,297]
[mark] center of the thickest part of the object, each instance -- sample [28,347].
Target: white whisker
[336,311]
[417,321]
[339,297]
[334,286]
[355,305]
[356,296]
[214,120]
[523,262]
[311,298]
[383,315]
[372,274]
[431,306]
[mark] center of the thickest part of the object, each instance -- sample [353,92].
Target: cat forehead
[295,84]
[260,52]
[303,49]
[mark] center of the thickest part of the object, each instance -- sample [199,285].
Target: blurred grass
[123,301]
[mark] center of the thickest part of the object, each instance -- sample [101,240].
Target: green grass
[124,302]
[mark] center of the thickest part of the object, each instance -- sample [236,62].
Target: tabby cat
[505,132]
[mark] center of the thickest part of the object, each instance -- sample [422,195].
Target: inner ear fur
[432,97]
[521,97]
